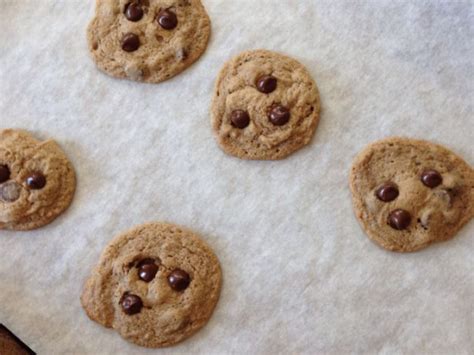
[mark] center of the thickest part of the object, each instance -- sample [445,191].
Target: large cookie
[156,284]
[37,181]
[409,193]
[265,106]
[148,40]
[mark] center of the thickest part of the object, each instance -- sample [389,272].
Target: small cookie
[147,40]
[156,285]
[409,193]
[265,106]
[37,181]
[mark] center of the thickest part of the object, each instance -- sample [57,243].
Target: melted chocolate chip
[239,118]
[399,219]
[131,304]
[36,181]
[147,269]
[179,280]
[266,84]
[4,173]
[167,19]
[387,192]
[133,12]
[130,42]
[279,115]
[431,178]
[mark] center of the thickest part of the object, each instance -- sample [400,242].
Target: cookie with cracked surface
[148,40]
[156,285]
[265,106]
[37,181]
[409,193]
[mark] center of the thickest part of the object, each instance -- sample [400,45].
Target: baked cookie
[148,40]
[37,181]
[409,193]
[156,285]
[265,106]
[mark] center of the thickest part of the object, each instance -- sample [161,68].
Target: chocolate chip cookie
[37,181]
[265,106]
[409,193]
[148,40]
[156,285]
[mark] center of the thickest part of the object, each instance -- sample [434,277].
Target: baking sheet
[299,274]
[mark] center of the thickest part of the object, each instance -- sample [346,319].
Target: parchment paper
[300,276]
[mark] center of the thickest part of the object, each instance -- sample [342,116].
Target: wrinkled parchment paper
[300,276]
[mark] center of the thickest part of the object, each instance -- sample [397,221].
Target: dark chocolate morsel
[36,181]
[167,19]
[266,84]
[131,304]
[239,118]
[399,219]
[279,115]
[130,42]
[133,12]
[4,173]
[387,192]
[431,178]
[147,270]
[179,280]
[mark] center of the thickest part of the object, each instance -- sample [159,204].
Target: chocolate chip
[4,173]
[425,216]
[239,118]
[147,269]
[181,54]
[279,115]
[431,178]
[387,192]
[266,84]
[130,42]
[167,19]
[10,191]
[179,280]
[399,219]
[133,12]
[131,304]
[36,181]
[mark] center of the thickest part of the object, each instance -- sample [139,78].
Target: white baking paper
[300,276]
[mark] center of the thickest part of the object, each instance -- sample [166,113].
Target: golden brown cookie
[265,106]
[156,285]
[37,181]
[409,193]
[147,40]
